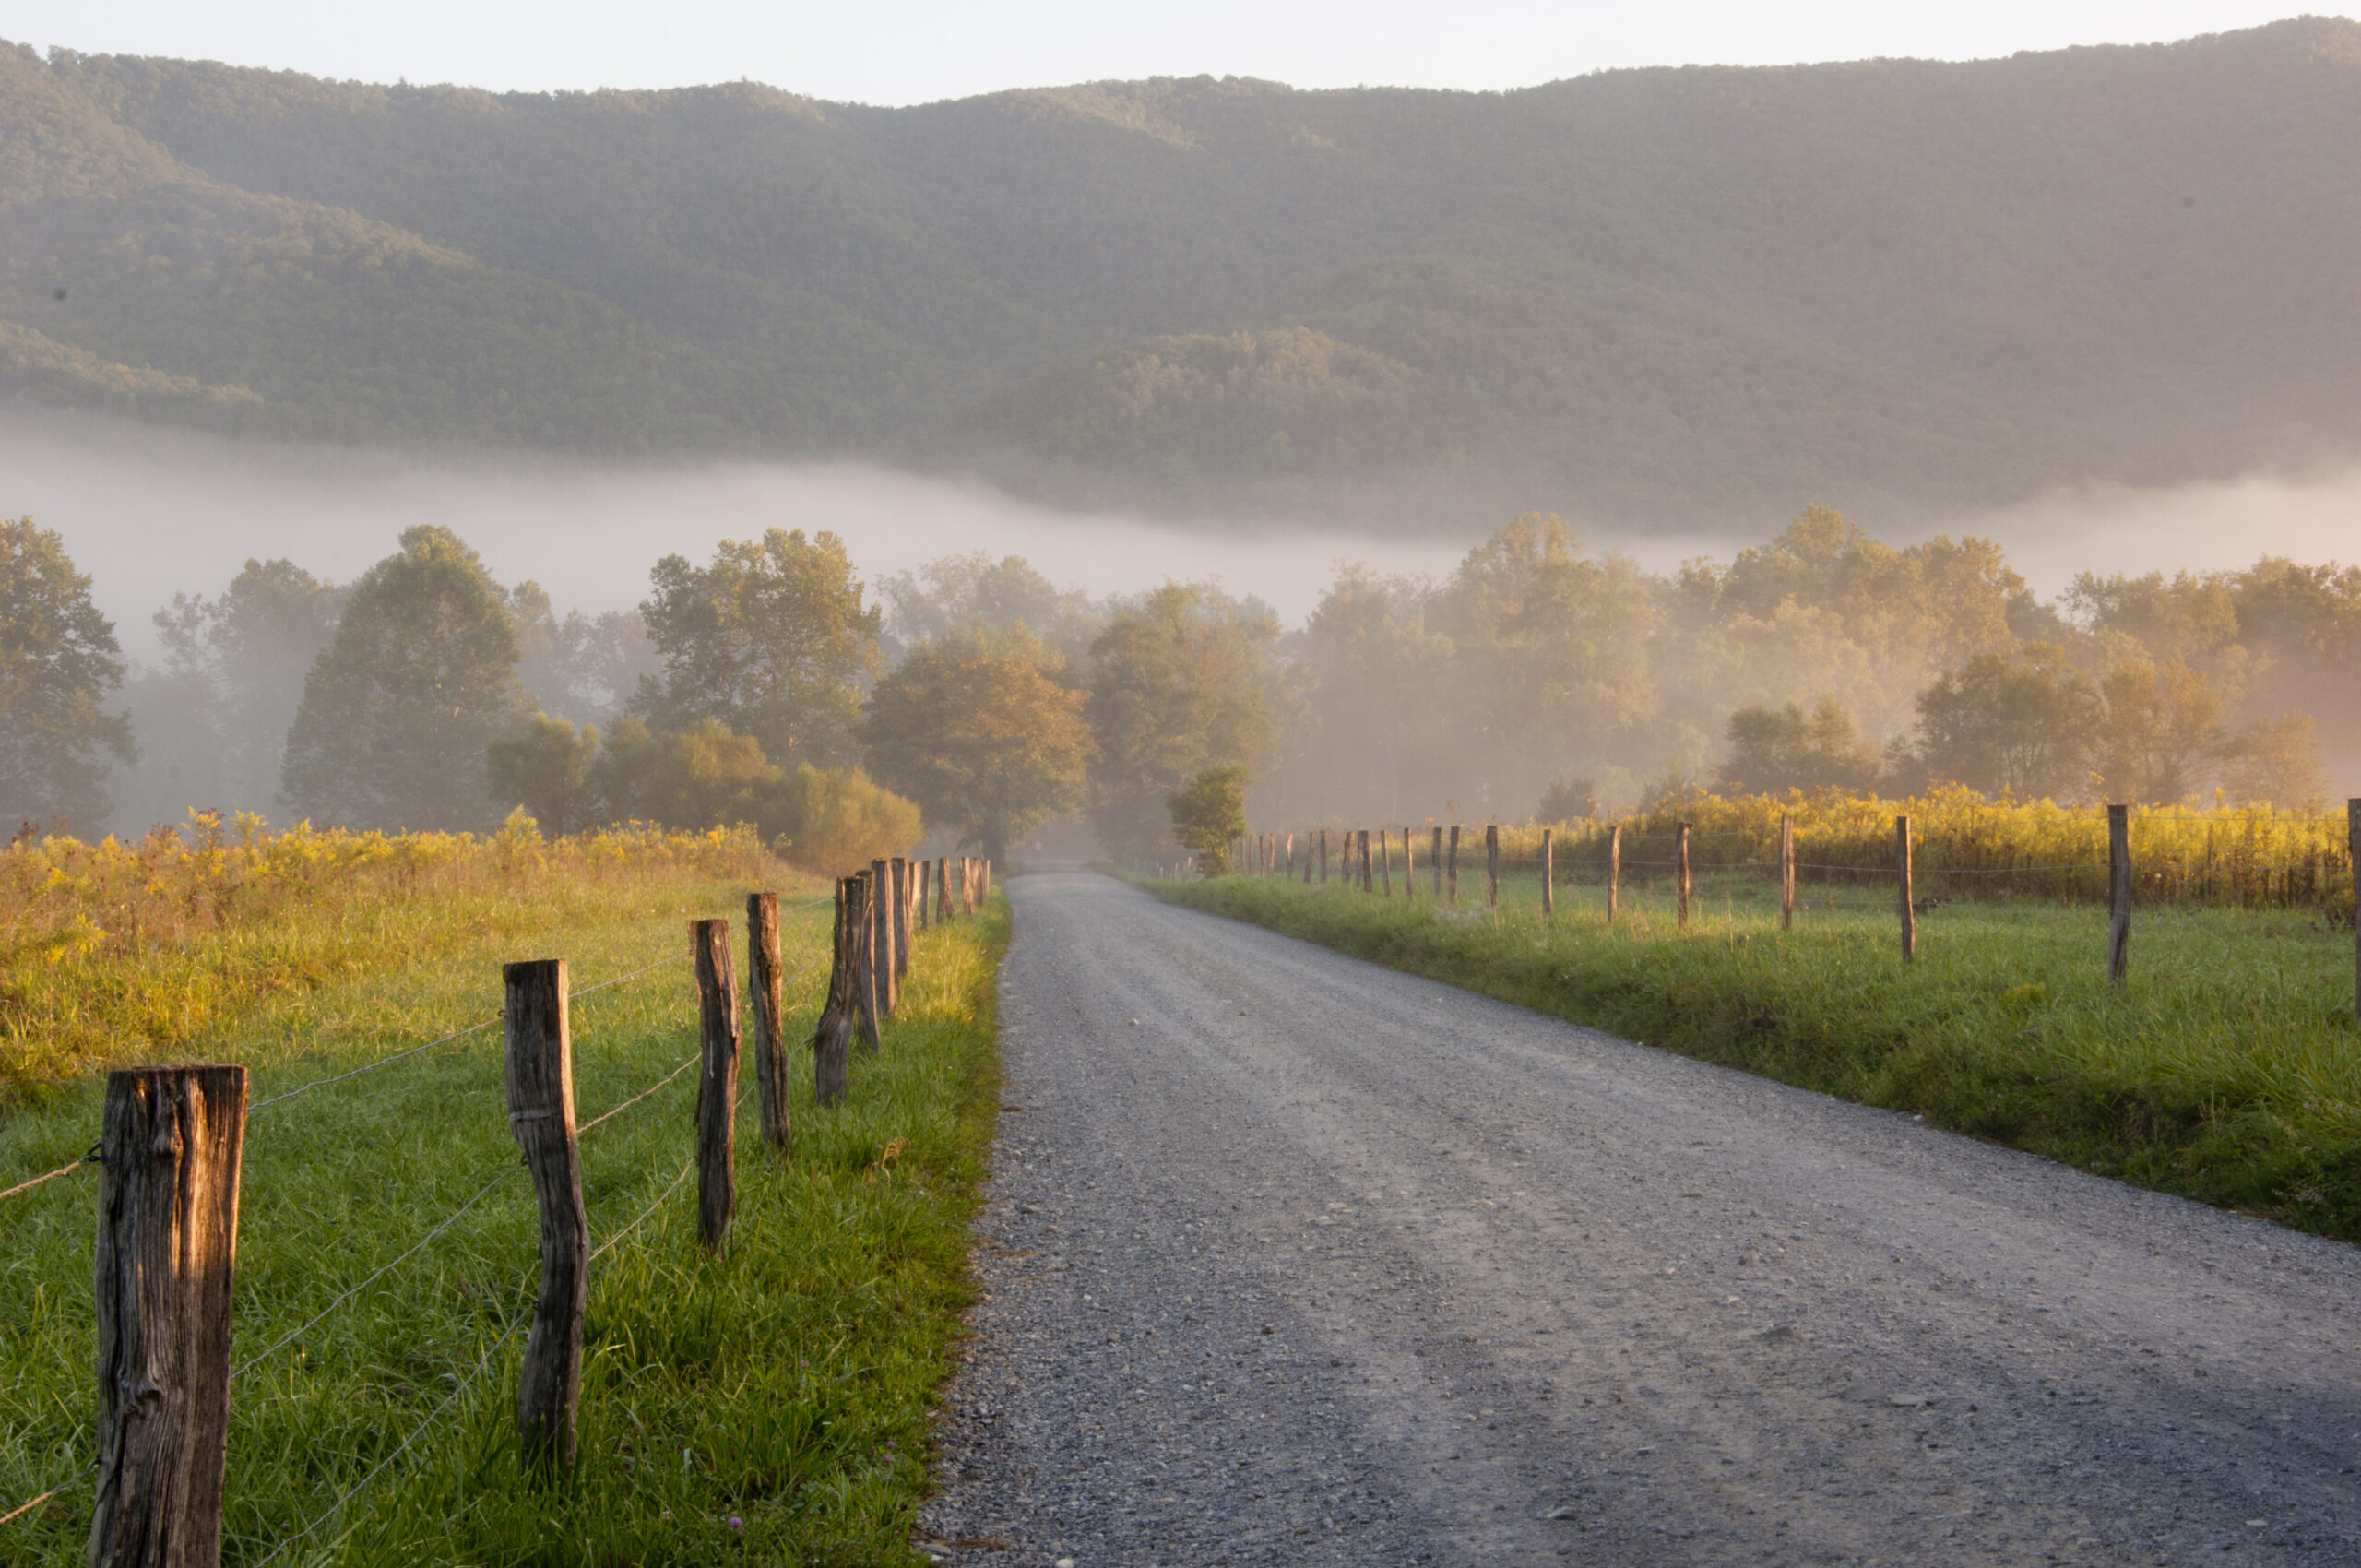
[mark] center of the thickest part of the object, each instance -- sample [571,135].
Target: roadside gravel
[1292,1259]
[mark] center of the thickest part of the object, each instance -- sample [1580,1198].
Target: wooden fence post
[1909,909]
[1451,867]
[2119,879]
[925,913]
[943,910]
[1434,862]
[983,881]
[717,1084]
[1548,876]
[1681,878]
[1409,869]
[1290,870]
[1492,864]
[901,913]
[763,985]
[880,920]
[1307,860]
[1385,858]
[1786,871]
[168,1240]
[1614,868]
[2353,853]
[1323,857]
[865,965]
[831,1036]
[539,1073]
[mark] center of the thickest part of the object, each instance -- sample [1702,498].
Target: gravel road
[1291,1259]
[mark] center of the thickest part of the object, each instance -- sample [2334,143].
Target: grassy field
[2228,1068]
[769,1407]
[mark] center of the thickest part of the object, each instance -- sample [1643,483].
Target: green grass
[768,1406]
[2227,1068]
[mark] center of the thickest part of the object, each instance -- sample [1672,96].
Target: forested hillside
[1678,292]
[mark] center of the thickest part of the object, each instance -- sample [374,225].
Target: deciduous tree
[58,662]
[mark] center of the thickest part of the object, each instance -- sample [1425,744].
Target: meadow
[767,1406]
[2226,1067]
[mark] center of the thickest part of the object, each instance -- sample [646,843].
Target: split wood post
[1409,871]
[922,912]
[983,881]
[968,898]
[1786,871]
[865,983]
[1290,854]
[168,1240]
[1909,909]
[881,920]
[2118,877]
[717,1084]
[1681,878]
[1548,875]
[1614,868]
[1451,868]
[763,986]
[1492,864]
[1307,860]
[1385,858]
[2353,853]
[831,1036]
[1323,857]
[540,1073]
[1434,862]
[943,888]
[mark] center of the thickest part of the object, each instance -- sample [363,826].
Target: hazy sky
[917,51]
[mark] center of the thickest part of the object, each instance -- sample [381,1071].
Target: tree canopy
[59,661]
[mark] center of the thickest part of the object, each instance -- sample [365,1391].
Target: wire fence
[442,1226]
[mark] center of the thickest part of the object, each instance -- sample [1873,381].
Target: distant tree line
[771,685]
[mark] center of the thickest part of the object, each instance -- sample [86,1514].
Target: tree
[1568,800]
[974,731]
[707,776]
[1773,750]
[771,639]
[1384,719]
[2014,723]
[2275,762]
[838,820]
[1209,815]
[58,662]
[965,592]
[544,765]
[215,717]
[400,713]
[1184,680]
[2162,729]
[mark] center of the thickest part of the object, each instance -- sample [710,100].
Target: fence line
[66,1170]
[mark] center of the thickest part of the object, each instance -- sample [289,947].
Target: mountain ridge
[1680,293]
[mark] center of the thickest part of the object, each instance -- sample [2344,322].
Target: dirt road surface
[1291,1259]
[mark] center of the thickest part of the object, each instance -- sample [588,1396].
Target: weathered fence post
[1786,871]
[1909,909]
[1323,857]
[865,984]
[1368,883]
[831,1036]
[2118,878]
[1614,868]
[901,924]
[1307,860]
[1409,869]
[2353,853]
[763,985]
[168,1240]
[925,913]
[1434,862]
[1492,864]
[1451,867]
[1385,858]
[1290,870]
[880,920]
[943,910]
[1681,878]
[717,1084]
[540,1073]
[983,881]
[1548,876]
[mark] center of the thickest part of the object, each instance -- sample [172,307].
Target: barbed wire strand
[23,1508]
[584,1130]
[448,1220]
[416,1432]
[50,1176]
[686,1166]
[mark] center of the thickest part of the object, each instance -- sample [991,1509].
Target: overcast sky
[918,50]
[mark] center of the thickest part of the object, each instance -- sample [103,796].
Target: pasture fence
[171,1152]
[1962,850]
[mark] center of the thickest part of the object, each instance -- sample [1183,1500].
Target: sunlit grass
[770,1406]
[2227,1068]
